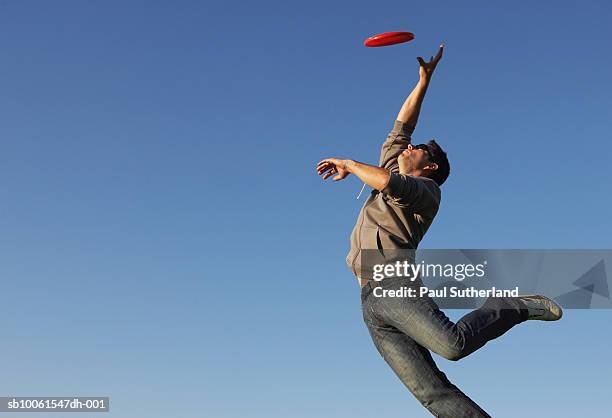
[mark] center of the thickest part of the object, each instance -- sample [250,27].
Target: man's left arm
[375,177]
[404,190]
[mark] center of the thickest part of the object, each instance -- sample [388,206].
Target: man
[396,216]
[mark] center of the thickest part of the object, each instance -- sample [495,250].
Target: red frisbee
[388,38]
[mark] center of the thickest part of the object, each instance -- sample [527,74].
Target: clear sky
[166,241]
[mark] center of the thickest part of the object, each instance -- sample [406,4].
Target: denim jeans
[405,329]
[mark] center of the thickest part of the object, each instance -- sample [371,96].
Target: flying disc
[388,38]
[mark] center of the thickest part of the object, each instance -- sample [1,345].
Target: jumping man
[404,201]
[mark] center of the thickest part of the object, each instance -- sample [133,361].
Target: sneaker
[542,308]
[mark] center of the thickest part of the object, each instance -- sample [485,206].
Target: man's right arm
[408,116]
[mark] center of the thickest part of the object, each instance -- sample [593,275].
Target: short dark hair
[438,156]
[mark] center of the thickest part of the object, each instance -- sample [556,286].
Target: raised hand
[428,67]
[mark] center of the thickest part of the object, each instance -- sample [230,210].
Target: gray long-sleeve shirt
[397,217]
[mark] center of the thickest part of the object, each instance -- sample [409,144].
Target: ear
[431,167]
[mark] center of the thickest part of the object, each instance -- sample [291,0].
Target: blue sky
[166,241]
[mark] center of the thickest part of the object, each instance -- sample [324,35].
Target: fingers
[325,167]
[330,173]
[432,59]
[323,162]
[327,161]
[326,173]
[330,167]
[440,52]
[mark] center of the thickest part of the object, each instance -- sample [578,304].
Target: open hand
[427,68]
[331,166]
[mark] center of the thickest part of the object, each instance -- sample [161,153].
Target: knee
[453,353]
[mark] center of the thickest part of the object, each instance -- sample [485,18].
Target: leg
[415,367]
[424,322]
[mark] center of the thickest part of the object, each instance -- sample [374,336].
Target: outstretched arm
[409,113]
[375,177]
[403,190]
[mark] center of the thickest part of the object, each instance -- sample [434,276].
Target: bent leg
[415,367]
[424,322]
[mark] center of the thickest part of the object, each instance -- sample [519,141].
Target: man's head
[426,160]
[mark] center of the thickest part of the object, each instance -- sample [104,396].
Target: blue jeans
[405,329]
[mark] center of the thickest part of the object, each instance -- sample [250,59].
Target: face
[414,159]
